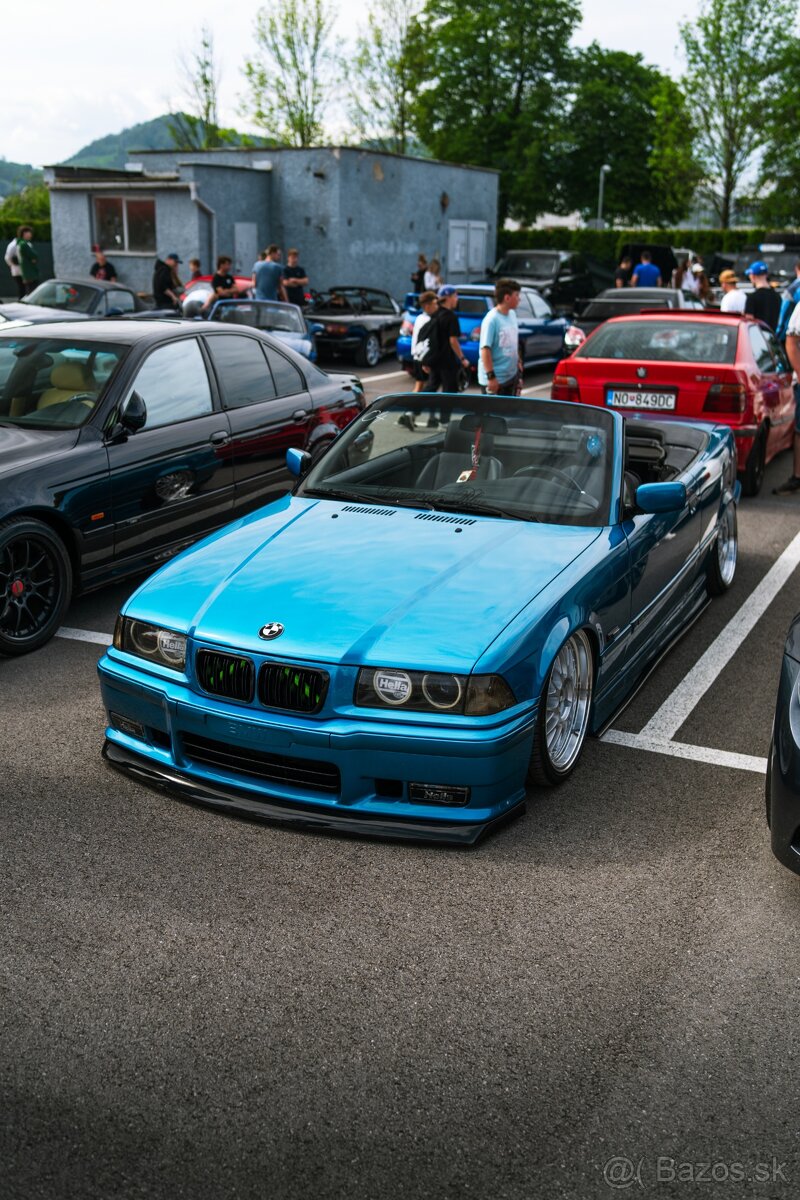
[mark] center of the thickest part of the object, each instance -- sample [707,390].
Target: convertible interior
[558,471]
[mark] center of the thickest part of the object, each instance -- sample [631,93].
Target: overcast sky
[85,68]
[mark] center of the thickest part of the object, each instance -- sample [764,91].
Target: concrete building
[357,216]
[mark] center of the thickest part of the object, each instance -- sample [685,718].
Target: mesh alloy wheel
[35,585]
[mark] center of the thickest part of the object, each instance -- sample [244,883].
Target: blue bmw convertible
[437,616]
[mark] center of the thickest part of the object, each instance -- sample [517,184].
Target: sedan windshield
[528,262]
[53,383]
[69,297]
[663,341]
[283,318]
[489,456]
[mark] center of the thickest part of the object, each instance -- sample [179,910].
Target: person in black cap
[763,302]
[447,354]
[166,285]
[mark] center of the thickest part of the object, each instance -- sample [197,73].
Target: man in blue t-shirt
[647,273]
[499,365]
[267,276]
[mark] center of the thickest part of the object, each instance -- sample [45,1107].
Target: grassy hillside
[112,151]
[16,176]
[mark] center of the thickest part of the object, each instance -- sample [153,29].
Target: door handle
[300,414]
[219,437]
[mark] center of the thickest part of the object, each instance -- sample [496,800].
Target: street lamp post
[604,170]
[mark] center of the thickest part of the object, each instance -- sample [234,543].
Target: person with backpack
[421,339]
[445,356]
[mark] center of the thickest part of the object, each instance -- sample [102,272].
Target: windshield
[344,301]
[663,341]
[69,297]
[282,318]
[616,306]
[53,383]
[528,262]
[529,460]
[474,306]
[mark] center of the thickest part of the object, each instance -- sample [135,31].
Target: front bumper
[783,772]
[373,761]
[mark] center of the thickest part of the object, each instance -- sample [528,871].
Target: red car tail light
[336,329]
[726,398]
[565,387]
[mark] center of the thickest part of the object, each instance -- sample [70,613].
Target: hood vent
[368,508]
[444,520]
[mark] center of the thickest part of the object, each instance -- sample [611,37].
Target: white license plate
[658,400]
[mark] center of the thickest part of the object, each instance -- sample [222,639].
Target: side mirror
[134,416]
[661,497]
[298,462]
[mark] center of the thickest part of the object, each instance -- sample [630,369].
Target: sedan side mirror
[298,462]
[661,497]
[134,415]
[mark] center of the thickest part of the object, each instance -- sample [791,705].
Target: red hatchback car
[710,366]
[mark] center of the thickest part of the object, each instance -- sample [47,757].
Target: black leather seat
[456,457]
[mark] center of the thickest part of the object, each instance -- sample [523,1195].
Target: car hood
[28,447]
[356,584]
[38,312]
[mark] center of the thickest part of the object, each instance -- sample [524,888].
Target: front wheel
[723,557]
[564,709]
[369,352]
[35,585]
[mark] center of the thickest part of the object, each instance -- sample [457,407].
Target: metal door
[245,246]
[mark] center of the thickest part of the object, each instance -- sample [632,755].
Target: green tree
[31,205]
[675,170]
[490,90]
[381,78]
[779,177]
[619,114]
[733,51]
[292,78]
[198,128]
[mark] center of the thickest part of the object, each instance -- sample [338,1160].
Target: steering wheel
[552,473]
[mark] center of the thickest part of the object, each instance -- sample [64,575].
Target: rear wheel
[753,474]
[35,585]
[369,352]
[564,709]
[723,557]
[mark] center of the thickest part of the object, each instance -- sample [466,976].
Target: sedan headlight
[432,691]
[162,646]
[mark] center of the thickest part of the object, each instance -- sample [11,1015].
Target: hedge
[41,229]
[606,244]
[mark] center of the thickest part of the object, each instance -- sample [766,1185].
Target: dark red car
[710,366]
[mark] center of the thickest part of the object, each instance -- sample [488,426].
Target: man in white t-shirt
[12,262]
[733,300]
[792,485]
[421,338]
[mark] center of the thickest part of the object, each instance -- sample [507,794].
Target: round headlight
[442,691]
[144,638]
[392,687]
[172,647]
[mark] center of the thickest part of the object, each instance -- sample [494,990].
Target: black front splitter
[299,816]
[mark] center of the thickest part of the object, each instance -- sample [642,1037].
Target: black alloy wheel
[35,585]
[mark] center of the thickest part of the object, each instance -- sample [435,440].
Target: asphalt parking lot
[600,998]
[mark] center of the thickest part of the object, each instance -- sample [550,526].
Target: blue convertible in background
[541,333]
[435,617]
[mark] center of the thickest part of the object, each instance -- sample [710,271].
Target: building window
[125,223]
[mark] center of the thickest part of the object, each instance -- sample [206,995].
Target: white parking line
[705,754]
[666,722]
[365,379]
[544,388]
[84,635]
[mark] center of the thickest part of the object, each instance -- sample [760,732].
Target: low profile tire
[724,554]
[564,709]
[369,352]
[753,474]
[35,585]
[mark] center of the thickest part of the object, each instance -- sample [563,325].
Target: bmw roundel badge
[641,372]
[272,630]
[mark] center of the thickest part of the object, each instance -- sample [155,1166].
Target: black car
[74,299]
[122,442]
[361,322]
[561,276]
[783,763]
[624,302]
